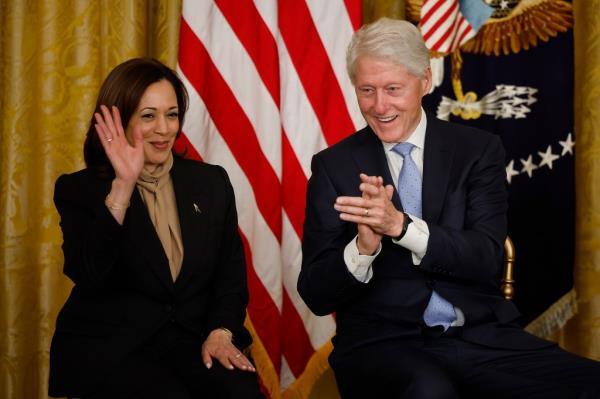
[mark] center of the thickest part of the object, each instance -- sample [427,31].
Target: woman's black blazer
[124,292]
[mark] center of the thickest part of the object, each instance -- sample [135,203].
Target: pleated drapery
[53,57]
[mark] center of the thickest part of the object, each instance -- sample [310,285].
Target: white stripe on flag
[239,72]
[320,329]
[297,115]
[335,29]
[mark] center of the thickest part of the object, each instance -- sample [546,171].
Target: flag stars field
[547,158]
[528,166]
[510,171]
[567,145]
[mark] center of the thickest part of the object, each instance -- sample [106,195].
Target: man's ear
[427,80]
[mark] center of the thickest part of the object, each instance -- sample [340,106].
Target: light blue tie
[439,312]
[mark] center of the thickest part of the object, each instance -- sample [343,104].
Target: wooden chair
[507,282]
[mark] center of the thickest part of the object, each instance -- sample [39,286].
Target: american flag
[448,24]
[268,89]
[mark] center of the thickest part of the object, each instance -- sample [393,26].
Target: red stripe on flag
[431,11]
[283,333]
[256,38]
[354,9]
[468,30]
[183,147]
[208,82]
[237,131]
[249,27]
[296,344]
[294,184]
[314,69]
[448,34]
[455,34]
[297,350]
[439,22]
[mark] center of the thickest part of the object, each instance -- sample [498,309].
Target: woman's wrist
[113,205]
[222,331]
[120,194]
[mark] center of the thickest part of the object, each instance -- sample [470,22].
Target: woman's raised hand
[126,159]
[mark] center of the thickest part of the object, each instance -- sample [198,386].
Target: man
[403,239]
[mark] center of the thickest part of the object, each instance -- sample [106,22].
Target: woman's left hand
[218,346]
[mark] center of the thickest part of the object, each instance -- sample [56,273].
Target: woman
[151,243]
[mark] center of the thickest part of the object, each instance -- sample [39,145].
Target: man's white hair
[397,41]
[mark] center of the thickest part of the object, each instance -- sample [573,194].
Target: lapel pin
[197,208]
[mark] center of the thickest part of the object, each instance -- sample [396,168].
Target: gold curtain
[53,58]
[582,332]
[374,9]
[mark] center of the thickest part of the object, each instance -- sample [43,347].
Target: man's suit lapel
[437,162]
[143,235]
[371,160]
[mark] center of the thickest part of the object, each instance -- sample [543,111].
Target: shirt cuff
[357,264]
[415,239]
[460,318]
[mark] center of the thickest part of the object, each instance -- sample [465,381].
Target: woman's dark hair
[124,87]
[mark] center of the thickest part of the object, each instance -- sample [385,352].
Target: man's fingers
[364,178]
[369,189]
[352,210]
[389,190]
[350,201]
[348,217]
[372,222]
[374,191]
[374,180]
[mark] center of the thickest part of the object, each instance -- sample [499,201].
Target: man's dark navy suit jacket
[464,202]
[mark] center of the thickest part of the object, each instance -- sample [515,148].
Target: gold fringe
[555,316]
[529,21]
[469,97]
[413,10]
[264,367]
[457,62]
[314,370]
